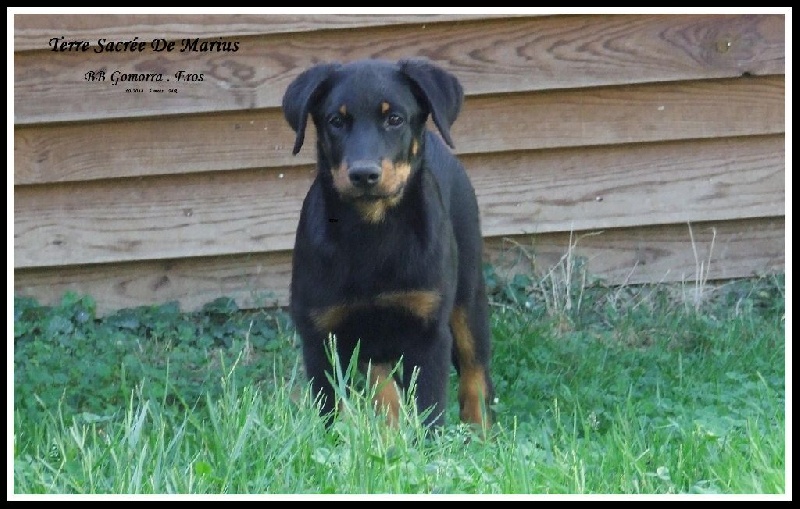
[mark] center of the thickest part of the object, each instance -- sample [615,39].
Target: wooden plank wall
[623,129]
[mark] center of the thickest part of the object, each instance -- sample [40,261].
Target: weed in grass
[702,270]
[64,355]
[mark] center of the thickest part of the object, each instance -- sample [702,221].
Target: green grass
[600,390]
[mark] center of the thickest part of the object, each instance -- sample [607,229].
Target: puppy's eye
[394,120]
[336,121]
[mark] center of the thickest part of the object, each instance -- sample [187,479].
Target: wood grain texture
[490,56]
[630,185]
[33,31]
[508,122]
[650,254]
[519,193]
[160,217]
[647,254]
[257,280]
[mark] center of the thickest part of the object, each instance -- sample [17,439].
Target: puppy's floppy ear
[300,96]
[441,92]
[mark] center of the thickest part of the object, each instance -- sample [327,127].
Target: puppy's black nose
[364,175]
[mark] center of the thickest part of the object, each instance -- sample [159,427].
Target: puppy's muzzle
[364,175]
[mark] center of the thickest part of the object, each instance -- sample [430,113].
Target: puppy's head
[370,118]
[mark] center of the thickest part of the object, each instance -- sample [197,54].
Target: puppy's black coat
[388,247]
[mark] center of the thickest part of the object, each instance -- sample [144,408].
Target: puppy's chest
[387,312]
[366,267]
[382,286]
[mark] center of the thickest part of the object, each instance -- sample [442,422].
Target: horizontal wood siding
[624,256]
[33,32]
[208,214]
[617,130]
[489,56]
[496,123]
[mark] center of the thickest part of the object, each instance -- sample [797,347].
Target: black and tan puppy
[388,248]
